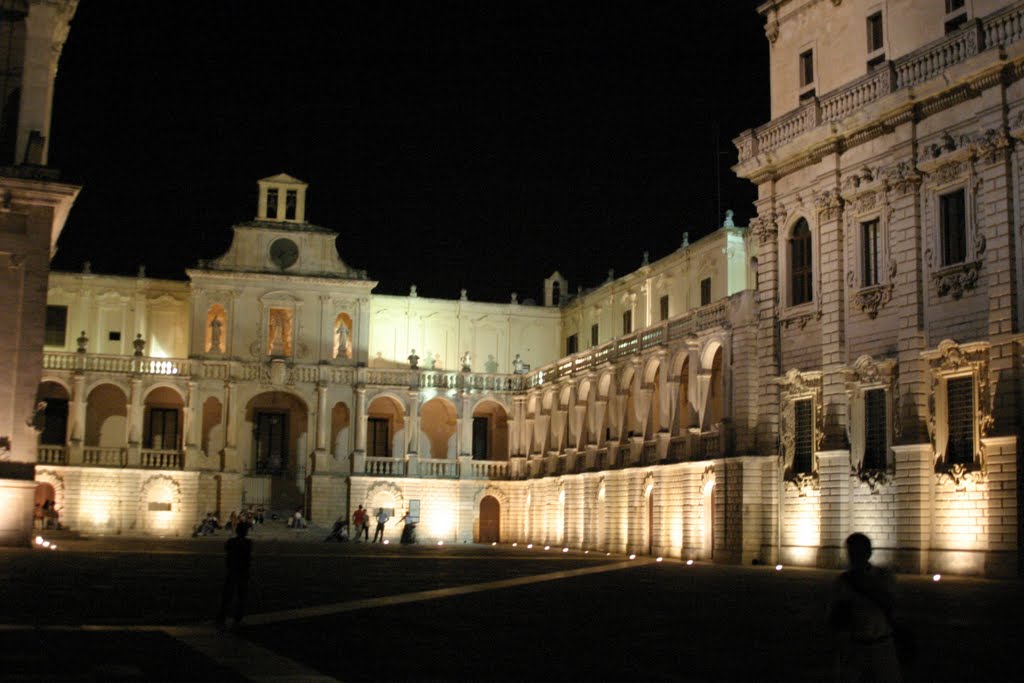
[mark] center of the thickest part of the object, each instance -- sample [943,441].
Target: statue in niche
[518,366]
[414,361]
[215,326]
[280,334]
[491,366]
[343,338]
[466,361]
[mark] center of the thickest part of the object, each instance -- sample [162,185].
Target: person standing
[382,519]
[358,520]
[238,557]
[861,615]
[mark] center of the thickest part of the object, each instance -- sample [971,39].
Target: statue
[518,366]
[343,350]
[215,326]
[82,341]
[728,220]
[414,361]
[139,344]
[466,359]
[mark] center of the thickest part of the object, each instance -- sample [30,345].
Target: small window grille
[291,197]
[960,412]
[875,427]
[627,322]
[56,325]
[870,253]
[664,307]
[800,266]
[572,343]
[594,334]
[953,224]
[803,443]
[272,203]
[705,291]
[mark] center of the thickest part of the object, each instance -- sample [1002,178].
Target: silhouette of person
[237,556]
[861,615]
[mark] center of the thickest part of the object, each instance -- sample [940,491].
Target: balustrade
[439,469]
[97,456]
[486,469]
[384,467]
[52,455]
[162,459]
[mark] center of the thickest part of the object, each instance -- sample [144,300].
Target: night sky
[479,145]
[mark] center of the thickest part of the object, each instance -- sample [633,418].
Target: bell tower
[282,199]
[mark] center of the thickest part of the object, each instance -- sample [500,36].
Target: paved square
[142,610]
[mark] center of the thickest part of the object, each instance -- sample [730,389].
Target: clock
[283,253]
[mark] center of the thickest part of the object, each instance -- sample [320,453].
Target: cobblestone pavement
[98,609]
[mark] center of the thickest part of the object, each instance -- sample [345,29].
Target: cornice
[264,277]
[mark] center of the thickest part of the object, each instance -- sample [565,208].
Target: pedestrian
[365,531]
[861,616]
[237,557]
[409,530]
[357,522]
[382,519]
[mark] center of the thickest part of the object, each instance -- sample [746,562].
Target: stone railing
[63,360]
[715,314]
[1000,28]
[98,456]
[486,469]
[161,459]
[52,455]
[384,467]
[429,468]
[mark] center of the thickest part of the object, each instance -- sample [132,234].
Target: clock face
[283,253]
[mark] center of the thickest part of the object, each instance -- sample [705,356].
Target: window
[56,325]
[800,266]
[875,426]
[556,293]
[114,335]
[377,437]
[593,334]
[627,322]
[291,197]
[572,344]
[876,41]
[960,413]
[956,15]
[806,76]
[162,429]
[953,227]
[705,291]
[272,203]
[664,307]
[869,253]
[803,443]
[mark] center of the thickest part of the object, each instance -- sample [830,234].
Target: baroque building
[848,362]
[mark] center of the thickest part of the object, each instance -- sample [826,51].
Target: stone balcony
[998,29]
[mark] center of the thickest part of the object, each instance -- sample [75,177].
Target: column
[413,423]
[833,324]
[136,410]
[360,421]
[465,428]
[231,420]
[323,418]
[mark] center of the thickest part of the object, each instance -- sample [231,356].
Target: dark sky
[478,144]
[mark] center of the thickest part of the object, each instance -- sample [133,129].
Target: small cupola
[282,199]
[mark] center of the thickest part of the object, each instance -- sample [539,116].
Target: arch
[385,415]
[279,422]
[565,396]
[49,379]
[651,370]
[383,494]
[490,430]
[107,381]
[106,416]
[707,353]
[715,404]
[626,376]
[439,423]
[604,385]
[532,404]
[214,339]
[547,400]
[160,503]
[55,399]
[583,391]
[212,426]
[162,418]
[163,393]
[490,520]
[56,482]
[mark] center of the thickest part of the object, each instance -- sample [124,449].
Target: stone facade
[849,361]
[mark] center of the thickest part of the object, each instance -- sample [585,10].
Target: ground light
[565,550]
[547,547]
[386,541]
[440,542]
[632,556]
[778,567]
[658,559]
[529,546]
[494,543]
[936,577]
[689,562]
[515,545]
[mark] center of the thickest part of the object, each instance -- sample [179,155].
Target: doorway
[490,520]
[271,442]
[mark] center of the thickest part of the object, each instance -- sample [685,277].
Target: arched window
[800,266]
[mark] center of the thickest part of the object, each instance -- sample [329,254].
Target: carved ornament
[873,299]
[951,358]
[803,482]
[875,479]
[829,204]
[959,475]
[955,280]
[902,177]
[796,385]
[707,479]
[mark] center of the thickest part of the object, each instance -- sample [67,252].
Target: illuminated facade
[33,207]
[889,265]
[850,361]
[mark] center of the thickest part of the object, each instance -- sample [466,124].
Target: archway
[55,423]
[106,417]
[490,520]
[46,504]
[162,426]
[340,423]
[385,423]
[212,426]
[278,422]
[490,431]
[438,424]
